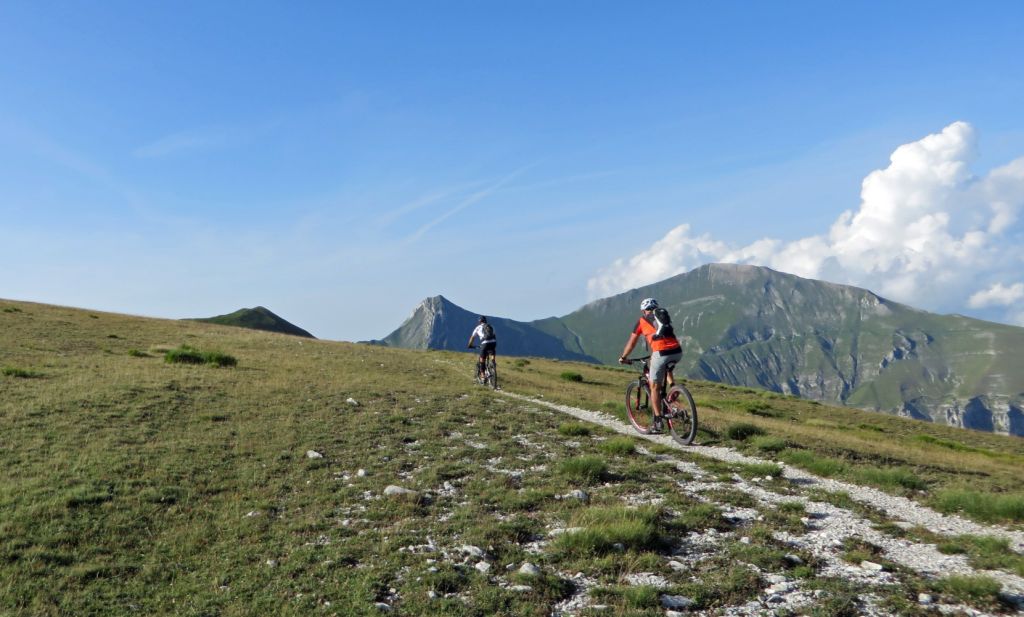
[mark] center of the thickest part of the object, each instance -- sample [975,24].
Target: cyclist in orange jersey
[656,326]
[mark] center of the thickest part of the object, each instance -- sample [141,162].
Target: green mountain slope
[753,326]
[258,318]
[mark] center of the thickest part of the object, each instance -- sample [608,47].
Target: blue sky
[338,162]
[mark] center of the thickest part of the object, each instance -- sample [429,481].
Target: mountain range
[753,326]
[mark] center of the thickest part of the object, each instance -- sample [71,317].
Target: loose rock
[392,490]
[528,569]
[313,454]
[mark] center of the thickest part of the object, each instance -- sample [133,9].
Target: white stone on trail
[351,401]
[313,454]
[381,606]
[361,473]
[391,490]
[576,494]
[872,566]
[528,569]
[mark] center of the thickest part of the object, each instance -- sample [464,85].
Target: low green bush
[813,463]
[742,431]
[988,507]
[890,478]
[584,469]
[769,443]
[602,528]
[13,371]
[573,429]
[571,376]
[191,355]
[620,446]
[970,588]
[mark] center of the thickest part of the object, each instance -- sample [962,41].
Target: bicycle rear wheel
[683,423]
[491,374]
[638,406]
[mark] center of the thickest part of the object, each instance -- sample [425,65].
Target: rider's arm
[630,344]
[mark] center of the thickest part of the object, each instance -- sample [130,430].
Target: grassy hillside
[137,486]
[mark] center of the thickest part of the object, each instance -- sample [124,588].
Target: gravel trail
[828,525]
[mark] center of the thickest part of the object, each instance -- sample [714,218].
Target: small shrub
[573,429]
[584,469]
[521,362]
[768,443]
[12,309]
[619,446]
[571,376]
[12,371]
[759,469]
[743,430]
[643,596]
[135,353]
[813,463]
[191,355]
[603,528]
[986,507]
[971,588]
[898,476]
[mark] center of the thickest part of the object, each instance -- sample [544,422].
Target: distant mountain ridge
[753,326]
[259,318]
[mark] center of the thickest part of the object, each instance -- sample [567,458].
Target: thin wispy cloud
[472,199]
[928,232]
[185,141]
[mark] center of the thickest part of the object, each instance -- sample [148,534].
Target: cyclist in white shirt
[484,332]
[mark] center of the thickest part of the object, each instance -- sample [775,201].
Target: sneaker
[657,426]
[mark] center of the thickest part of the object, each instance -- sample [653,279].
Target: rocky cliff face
[437,323]
[752,326]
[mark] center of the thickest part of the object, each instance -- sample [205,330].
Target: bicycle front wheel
[683,423]
[638,406]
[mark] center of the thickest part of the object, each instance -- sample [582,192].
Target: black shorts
[486,348]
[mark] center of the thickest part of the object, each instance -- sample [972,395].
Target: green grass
[572,376]
[190,355]
[971,589]
[769,443]
[584,470]
[619,446]
[145,487]
[743,431]
[606,529]
[979,505]
[573,429]
[13,371]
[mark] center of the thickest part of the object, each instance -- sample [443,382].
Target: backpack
[489,332]
[662,322]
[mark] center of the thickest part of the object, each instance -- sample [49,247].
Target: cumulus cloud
[927,232]
[997,295]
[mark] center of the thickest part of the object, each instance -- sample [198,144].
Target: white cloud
[997,295]
[927,232]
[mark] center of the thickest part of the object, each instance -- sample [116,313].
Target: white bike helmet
[648,304]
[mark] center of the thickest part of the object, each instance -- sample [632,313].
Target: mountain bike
[678,411]
[490,376]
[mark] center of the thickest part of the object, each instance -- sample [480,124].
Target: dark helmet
[482,319]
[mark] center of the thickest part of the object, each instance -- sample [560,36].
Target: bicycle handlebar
[642,359]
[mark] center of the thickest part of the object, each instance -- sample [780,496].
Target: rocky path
[828,526]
